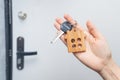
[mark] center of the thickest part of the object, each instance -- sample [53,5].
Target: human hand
[97,54]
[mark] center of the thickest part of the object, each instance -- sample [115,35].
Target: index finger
[72,21]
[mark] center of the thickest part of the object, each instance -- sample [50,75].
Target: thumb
[93,31]
[89,37]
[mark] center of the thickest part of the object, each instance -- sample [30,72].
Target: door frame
[8,38]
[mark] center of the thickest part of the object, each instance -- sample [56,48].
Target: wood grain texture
[75,40]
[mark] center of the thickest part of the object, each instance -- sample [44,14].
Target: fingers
[93,31]
[69,19]
[58,22]
[89,37]
[57,26]
[72,21]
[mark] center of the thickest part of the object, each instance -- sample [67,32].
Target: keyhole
[20,67]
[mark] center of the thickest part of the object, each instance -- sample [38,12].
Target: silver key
[64,27]
[60,33]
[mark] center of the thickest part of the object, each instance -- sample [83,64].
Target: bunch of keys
[73,37]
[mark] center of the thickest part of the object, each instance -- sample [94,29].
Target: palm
[94,57]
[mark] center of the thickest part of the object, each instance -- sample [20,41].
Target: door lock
[21,53]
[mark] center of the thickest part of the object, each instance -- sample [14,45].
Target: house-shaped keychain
[75,40]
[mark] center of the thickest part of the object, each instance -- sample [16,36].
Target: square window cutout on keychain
[73,37]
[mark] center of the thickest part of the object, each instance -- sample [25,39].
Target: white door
[52,61]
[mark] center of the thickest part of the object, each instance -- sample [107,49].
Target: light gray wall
[2,41]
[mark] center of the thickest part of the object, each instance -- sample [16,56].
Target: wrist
[110,71]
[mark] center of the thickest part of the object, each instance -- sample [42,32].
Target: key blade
[57,36]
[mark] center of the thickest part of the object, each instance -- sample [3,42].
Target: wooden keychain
[73,37]
[75,40]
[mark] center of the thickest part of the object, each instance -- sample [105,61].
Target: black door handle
[21,53]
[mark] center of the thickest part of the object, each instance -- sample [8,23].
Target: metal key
[64,27]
